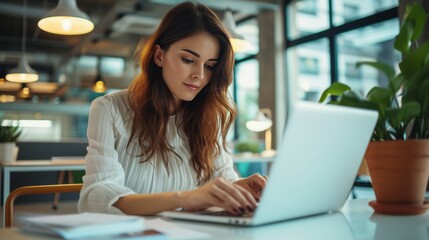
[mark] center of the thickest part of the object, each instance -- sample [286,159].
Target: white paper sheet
[173,231]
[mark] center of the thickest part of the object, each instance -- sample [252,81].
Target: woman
[160,145]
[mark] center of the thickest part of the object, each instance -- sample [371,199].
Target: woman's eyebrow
[196,54]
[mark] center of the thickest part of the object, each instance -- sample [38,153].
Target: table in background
[356,221]
[35,166]
[254,158]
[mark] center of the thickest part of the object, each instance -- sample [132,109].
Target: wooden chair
[32,190]
[61,177]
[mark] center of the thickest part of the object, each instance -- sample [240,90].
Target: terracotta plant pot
[399,173]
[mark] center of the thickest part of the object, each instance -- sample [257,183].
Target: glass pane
[349,10]
[309,68]
[112,66]
[306,17]
[247,77]
[86,64]
[38,126]
[370,43]
[249,29]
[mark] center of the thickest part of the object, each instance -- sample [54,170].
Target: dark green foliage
[403,105]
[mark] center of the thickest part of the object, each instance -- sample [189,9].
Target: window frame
[333,31]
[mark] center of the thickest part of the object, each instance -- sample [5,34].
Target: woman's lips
[191,86]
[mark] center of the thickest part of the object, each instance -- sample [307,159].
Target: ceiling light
[23,73]
[239,44]
[7,98]
[24,92]
[99,86]
[66,19]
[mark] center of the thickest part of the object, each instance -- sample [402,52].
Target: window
[369,43]
[349,10]
[313,71]
[306,17]
[308,65]
[245,87]
[113,66]
[307,7]
[247,80]
[346,32]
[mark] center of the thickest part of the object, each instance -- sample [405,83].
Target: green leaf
[413,86]
[352,99]
[336,89]
[424,96]
[415,60]
[418,15]
[401,117]
[393,119]
[426,60]
[384,68]
[403,39]
[396,83]
[381,97]
[9,133]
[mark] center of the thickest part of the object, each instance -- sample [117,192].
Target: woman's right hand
[220,193]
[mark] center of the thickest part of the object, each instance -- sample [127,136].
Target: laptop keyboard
[218,213]
[224,214]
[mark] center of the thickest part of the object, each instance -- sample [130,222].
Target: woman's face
[188,64]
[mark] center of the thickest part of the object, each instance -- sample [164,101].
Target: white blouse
[114,171]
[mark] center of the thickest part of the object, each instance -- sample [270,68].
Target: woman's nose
[198,72]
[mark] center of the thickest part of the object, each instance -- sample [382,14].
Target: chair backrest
[32,190]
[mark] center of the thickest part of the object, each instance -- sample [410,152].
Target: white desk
[356,221]
[63,165]
[35,166]
[254,158]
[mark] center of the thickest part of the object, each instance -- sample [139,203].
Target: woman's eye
[210,67]
[187,60]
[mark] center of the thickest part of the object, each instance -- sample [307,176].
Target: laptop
[314,168]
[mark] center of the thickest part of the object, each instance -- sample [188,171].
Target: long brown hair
[209,114]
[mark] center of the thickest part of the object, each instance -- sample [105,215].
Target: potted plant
[8,136]
[398,154]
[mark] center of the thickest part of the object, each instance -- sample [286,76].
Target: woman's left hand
[254,184]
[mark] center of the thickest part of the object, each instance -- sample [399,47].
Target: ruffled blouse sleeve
[224,166]
[104,179]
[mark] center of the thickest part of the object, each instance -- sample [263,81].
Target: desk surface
[237,158]
[356,221]
[43,162]
[247,158]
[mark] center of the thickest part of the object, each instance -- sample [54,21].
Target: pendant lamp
[23,73]
[99,86]
[239,44]
[66,19]
[24,92]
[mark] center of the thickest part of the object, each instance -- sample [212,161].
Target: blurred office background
[295,50]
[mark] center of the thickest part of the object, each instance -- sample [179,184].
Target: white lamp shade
[23,73]
[260,123]
[66,19]
[239,44]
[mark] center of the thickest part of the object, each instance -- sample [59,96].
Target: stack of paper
[84,225]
